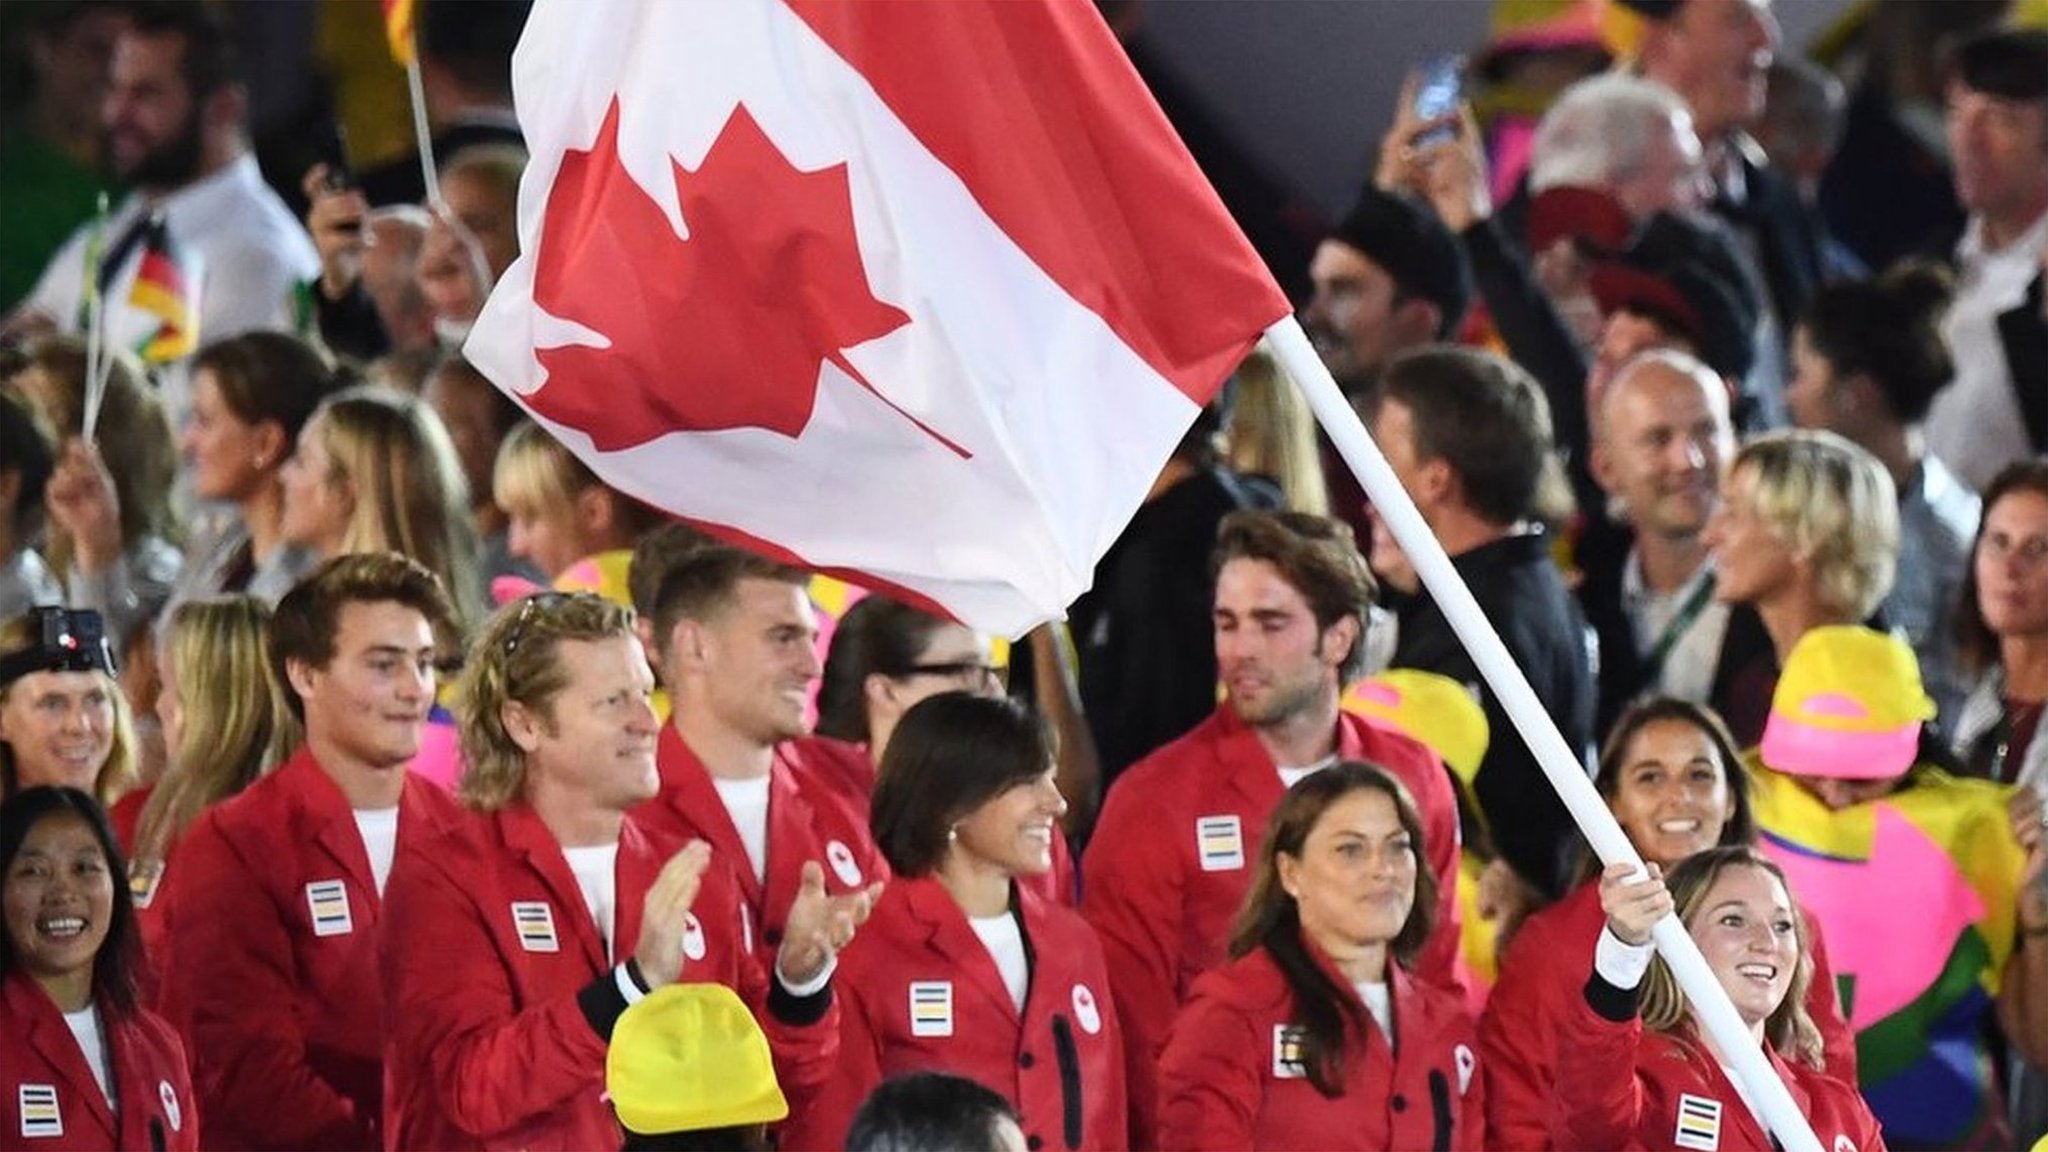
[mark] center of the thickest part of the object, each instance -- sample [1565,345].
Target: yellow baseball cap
[1849,705]
[690,1057]
[1427,707]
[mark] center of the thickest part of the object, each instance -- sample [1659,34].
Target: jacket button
[1034,1143]
[1024,1060]
[773,936]
[1399,1102]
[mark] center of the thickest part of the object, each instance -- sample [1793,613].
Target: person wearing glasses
[63,719]
[1174,855]
[886,657]
[276,907]
[736,639]
[516,937]
[964,968]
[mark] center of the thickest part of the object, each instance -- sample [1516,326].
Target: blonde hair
[410,494]
[1834,506]
[1663,1005]
[237,728]
[1273,434]
[535,475]
[513,660]
[117,772]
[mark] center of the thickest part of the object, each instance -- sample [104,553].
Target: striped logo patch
[1699,1123]
[327,900]
[1219,842]
[535,923]
[931,1008]
[40,1117]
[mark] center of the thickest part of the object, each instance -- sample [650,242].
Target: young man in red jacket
[516,938]
[1171,857]
[271,967]
[737,640]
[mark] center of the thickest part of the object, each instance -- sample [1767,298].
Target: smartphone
[1439,87]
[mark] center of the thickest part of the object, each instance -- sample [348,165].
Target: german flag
[166,288]
[398,30]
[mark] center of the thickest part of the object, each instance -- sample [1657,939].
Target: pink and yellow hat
[1849,705]
[1427,707]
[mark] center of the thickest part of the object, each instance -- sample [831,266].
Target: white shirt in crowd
[379,827]
[596,871]
[1005,943]
[746,801]
[1975,425]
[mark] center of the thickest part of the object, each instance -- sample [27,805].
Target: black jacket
[1519,589]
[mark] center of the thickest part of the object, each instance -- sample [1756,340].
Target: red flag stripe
[1035,107]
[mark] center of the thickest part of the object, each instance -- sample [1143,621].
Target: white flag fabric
[919,294]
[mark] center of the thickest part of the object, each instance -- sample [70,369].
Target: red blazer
[807,820]
[1174,852]
[918,991]
[489,1046]
[1627,1089]
[850,770]
[1225,1083]
[49,1099]
[271,966]
[1544,973]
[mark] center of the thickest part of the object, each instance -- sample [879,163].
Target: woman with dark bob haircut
[1672,776]
[1314,1035]
[80,1060]
[962,968]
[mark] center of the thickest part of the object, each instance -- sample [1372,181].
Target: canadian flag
[919,294]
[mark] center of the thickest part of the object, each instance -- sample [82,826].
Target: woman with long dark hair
[1314,1035]
[1675,782]
[82,1065]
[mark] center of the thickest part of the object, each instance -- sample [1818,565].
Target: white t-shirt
[1974,425]
[746,801]
[379,827]
[596,870]
[1380,1004]
[1005,943]
[1289,777]
[85,1027]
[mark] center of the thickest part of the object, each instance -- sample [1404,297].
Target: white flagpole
[422,133]
[1558,761]
[95,322]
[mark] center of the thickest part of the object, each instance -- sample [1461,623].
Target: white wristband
[1621,964]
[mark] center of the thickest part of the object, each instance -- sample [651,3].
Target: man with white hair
[1629,137]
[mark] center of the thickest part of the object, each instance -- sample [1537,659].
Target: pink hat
[1849,706]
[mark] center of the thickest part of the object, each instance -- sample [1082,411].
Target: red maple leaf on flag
[727,329]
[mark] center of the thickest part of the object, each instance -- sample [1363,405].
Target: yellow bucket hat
[1427,707]
[690,1057]
[1849,705]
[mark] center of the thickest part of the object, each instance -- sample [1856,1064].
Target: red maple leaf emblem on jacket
[727,329]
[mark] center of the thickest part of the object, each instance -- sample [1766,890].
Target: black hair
[877,635]
[1706,273]
[1889,330]
[929,1112]
[2009,63]
[473,39]
[114,968]
[212,58]
[950,754]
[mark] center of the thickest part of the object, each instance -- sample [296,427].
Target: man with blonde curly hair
[517,937]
